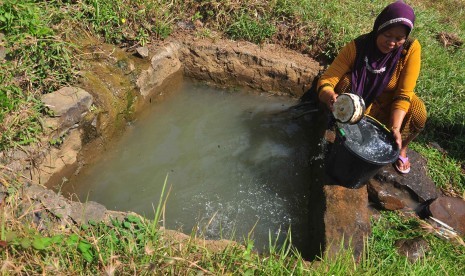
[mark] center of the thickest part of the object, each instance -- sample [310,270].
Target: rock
[143,51]
[63,209]
[82,213]
[164,64]
[69,104]
[346,219]
[59,161]
[19,154]
[62,101]
[131,67]
[52,202]
[417,181]
[389,197]
[413,249]
[450,210]
[384,196]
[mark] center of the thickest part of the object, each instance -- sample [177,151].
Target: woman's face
[391,39]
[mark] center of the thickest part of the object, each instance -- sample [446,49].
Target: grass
[136,245]
[42,55]
[444,170]
[37,61]
[382,257]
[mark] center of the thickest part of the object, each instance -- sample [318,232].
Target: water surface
[370,141]
[235,162]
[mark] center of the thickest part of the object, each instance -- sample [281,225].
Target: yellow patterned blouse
[401,86]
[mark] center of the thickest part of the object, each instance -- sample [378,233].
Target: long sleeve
[341,65]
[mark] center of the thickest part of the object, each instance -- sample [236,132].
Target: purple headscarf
[373,69]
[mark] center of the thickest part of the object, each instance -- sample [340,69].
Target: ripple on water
[369,141]
[235,162]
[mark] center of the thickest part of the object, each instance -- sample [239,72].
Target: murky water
[235,162]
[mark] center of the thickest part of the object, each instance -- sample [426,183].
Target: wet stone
[346,219]
[414,249]
[450,210]
[416,181]
[385,195]
[388,196]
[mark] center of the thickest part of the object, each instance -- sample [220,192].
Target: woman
[382,67]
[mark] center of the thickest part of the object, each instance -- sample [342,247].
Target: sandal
[404,160]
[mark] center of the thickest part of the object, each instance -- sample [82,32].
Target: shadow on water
[297,176]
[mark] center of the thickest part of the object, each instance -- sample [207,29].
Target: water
[369,141]
[235,162]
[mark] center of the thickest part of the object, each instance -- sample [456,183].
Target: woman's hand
[397,117]
[328,97]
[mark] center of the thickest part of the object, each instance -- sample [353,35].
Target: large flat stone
[346,219]
[416,181]
[450,210]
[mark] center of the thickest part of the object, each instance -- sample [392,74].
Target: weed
[382,254]
[20,118]
[257,30]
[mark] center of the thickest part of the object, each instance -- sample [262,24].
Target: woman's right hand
[328,97]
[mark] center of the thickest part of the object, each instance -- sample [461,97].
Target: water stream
[235,161]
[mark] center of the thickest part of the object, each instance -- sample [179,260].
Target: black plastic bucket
[359,151]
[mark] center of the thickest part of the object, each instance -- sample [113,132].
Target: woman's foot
[402,164]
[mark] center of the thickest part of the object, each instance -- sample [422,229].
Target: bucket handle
[381,124]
